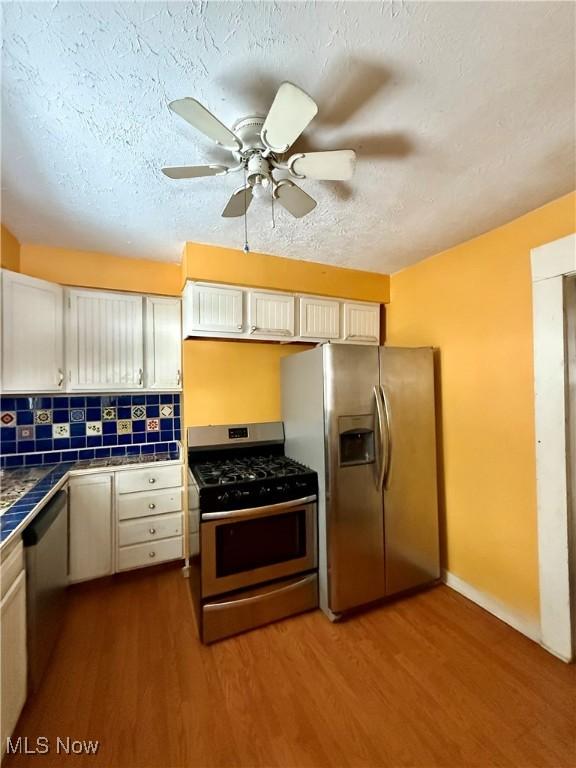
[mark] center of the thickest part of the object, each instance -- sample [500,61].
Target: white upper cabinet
[228,311]
[319,318]
[271,314]
[104,341]
[216,308]
[32,334]
[162,343]
[361,323]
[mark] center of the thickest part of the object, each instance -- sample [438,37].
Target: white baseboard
[527,627]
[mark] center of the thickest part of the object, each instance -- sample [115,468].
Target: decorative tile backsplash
[46,430]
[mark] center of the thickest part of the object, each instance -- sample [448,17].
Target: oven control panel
[238,433]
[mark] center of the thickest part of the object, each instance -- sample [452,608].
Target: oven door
[250,546]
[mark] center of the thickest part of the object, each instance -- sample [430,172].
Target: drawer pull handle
[151,479]
[151,554]
[151,506]
[152,530]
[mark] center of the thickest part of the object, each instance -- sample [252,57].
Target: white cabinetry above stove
[236,312]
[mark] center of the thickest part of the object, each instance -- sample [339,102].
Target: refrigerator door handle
[388,452]
[382,437]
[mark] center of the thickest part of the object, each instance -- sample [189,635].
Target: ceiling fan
[256,144]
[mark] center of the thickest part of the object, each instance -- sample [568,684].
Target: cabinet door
[163,343]
[216,308]
[32,334]
[90,510]
[319,318]
[13,651]
[271,314]
[104,341]
[361,322]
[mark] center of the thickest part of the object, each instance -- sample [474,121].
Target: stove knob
[223,496]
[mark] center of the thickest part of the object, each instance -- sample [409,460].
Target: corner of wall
[9,250]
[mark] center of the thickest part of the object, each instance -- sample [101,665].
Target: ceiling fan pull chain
[272,199]
[246,248]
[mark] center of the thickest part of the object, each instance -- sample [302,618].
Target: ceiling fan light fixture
[260,186]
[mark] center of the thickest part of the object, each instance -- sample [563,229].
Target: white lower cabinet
[149,529]
[149,506]
[140,555]
[90,510]
[13,635]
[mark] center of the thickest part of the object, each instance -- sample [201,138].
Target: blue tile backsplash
[47,430]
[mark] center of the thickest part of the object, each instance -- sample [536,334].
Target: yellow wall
[91,269]
[228,265]
[474,303]
[9,250]
[230,382]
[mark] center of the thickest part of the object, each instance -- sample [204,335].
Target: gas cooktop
[247,481]
[246,469]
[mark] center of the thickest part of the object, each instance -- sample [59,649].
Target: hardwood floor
[432,680]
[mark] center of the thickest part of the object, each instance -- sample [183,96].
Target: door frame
[551,264]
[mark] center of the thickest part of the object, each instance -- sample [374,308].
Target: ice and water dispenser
[356,438]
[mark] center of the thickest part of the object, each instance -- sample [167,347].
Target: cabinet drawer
[11,567]
[139,555]
[149,529]
[149,479]
[151,503]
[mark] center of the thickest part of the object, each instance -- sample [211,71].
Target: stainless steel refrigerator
[363,418]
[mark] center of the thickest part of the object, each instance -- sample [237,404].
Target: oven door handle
[269,509]
[212,607]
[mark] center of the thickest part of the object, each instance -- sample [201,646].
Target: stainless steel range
[253,523]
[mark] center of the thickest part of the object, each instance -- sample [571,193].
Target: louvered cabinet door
[319,318]
[271,314]
[104,341]
[361,323]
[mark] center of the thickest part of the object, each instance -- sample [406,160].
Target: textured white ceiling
[462,115]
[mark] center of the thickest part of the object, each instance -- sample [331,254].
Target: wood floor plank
[431,681]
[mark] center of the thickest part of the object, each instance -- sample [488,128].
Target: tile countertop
[23,492]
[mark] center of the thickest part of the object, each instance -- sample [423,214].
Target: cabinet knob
[151,506]
[60,377]
[179,377]
[253,328]
[239,327]
[151,554]
[151,479]
[140,376]
[152,530]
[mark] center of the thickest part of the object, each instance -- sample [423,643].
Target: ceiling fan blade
[294,199]
[337,165]
[238,203]
[290,113]
[205,122]
[194,171]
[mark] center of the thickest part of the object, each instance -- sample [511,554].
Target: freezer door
[410,492]
[354,497]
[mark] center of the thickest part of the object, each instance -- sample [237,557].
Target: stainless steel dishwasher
[46,546]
